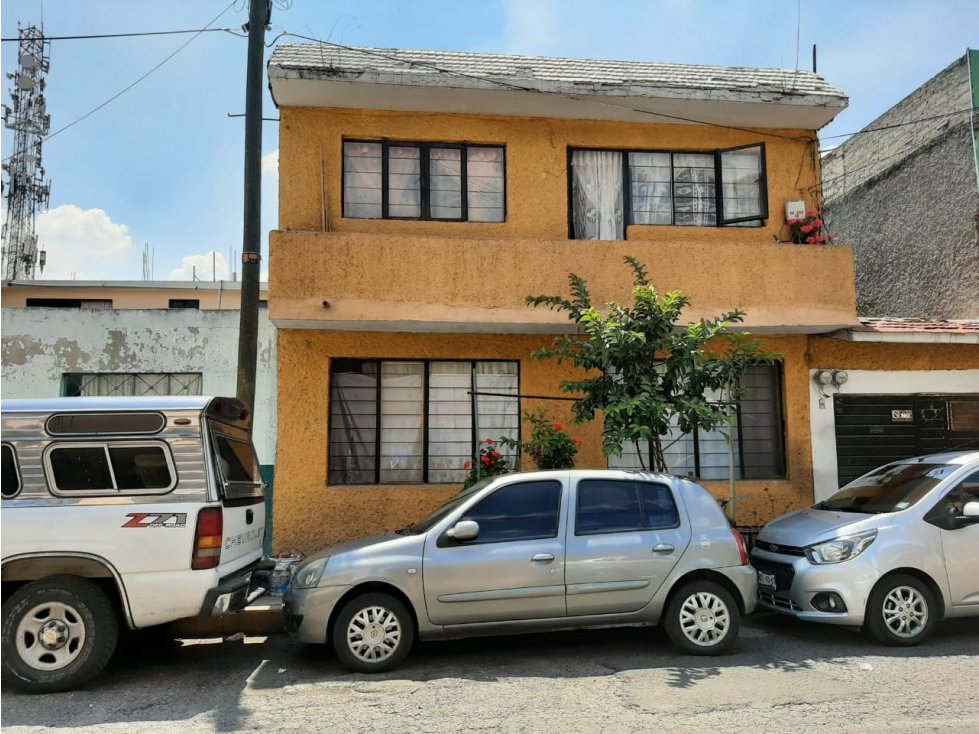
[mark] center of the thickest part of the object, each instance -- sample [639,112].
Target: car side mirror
[970,513]
[463,530]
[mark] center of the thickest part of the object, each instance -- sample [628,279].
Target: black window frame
[627,204]
[424,149]
[642,527]
[474,436]
[184,303]
[15,465]
[107,446]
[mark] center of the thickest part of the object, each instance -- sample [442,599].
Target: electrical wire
[125,35]
[126,89]
[898,124]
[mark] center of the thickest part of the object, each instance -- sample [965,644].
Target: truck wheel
[58,633]
[901,611]
[373,633]
[702,618]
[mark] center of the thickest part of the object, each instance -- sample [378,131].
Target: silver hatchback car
[893,551]
[533,552]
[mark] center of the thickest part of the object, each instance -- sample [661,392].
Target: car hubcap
[50,636]
[704,619]
[905,611]
[374,634]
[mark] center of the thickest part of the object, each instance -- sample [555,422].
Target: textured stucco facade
[39,345]
[907,199]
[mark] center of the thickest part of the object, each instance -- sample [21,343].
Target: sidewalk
[261,617]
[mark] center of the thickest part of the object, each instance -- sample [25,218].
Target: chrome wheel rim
[50,636]
[704,619]
[905,611]
[374,634]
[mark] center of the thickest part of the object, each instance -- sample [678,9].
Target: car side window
[607,506]
[522,511]
[952,504]
[658,506]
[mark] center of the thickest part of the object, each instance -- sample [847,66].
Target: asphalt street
[785,676]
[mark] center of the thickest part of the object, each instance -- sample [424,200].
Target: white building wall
[39,345]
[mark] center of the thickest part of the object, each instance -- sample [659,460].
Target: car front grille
[784,573]
[786,550]
[778,601]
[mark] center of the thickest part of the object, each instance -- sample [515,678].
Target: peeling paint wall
[39,345]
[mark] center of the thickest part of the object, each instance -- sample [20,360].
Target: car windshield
[425,525]
[891,488]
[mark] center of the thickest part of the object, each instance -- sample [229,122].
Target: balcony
[392,282]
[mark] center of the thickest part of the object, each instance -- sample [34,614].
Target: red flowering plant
[549,446]
[809,230]
[488,463]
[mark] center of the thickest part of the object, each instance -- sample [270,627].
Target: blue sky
[163,163]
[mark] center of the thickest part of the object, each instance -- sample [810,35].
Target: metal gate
[872,430]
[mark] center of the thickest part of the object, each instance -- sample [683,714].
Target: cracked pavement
[785,676]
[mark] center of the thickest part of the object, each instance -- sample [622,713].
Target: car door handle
[543,557]
[663,548]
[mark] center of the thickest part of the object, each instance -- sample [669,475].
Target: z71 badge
[156,520]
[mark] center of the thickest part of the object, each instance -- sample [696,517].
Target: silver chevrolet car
[533,552]
[893,551]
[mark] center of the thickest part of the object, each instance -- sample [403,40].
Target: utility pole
[259,14]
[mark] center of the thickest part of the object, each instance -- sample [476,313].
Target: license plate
[766,579]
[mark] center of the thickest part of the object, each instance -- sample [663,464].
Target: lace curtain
[597,194]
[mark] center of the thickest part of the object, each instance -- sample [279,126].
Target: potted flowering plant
[549,446]
[808,230]
[488,463]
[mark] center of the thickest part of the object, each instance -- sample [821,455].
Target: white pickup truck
[120,512]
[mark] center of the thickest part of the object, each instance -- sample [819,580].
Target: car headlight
[308,575]
[840,549]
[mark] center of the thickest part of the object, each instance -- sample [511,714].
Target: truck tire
[58,633]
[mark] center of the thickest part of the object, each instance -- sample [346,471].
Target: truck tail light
[207,539]
[742,550]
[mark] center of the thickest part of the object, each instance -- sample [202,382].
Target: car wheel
[702,618]
[901,611]
[373,633]
[58,633]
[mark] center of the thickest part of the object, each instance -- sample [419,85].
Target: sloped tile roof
[448,68]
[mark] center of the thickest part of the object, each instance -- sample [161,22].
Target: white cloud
[270,164]
[84,244]
[209,266]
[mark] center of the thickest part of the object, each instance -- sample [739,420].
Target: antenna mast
[26,189]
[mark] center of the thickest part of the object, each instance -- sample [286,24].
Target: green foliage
[490,462]
[549,446]
[646,371]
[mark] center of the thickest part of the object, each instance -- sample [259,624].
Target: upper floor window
[430,181]
[612,189]
[94,303]
[185,303]
[76,384]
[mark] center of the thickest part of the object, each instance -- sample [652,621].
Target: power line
[140,79]
[899,124]
[129,35]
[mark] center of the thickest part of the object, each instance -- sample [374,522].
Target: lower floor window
[759,447]
[76,384]
[404,422]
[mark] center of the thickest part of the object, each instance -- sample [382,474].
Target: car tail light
[742,550]
[207,539]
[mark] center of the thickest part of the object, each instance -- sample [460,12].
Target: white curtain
[402,394]
[597,195]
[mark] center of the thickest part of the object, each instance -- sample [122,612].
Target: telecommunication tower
[26,189]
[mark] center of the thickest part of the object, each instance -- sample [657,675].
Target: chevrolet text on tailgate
[120,512]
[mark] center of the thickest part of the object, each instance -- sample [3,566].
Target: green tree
[645,370]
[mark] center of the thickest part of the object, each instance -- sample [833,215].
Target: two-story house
[424,195]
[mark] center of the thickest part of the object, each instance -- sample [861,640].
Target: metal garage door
[874,429]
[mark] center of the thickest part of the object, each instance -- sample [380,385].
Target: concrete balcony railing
[385,282]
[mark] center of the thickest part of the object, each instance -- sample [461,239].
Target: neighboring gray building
[906,196]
